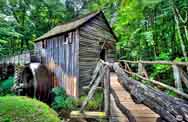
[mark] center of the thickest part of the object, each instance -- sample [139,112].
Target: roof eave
[42,38]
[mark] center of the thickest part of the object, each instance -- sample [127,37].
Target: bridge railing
[180,75]
[21,59]
[24,57]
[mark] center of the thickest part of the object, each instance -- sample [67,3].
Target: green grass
[24,109]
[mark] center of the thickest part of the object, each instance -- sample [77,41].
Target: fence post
[141,70]
[184,77]
[177,78]
[107,92]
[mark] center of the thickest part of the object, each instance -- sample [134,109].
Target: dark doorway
[102,54]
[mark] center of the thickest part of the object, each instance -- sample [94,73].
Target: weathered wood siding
[93,35]
[60,54]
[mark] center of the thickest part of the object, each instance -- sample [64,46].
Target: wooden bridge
[126,99]
[140,112]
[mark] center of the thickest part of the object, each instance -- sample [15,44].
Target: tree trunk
[179,34]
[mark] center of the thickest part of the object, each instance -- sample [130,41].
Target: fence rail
[22,58]
[157,62]
[180,76]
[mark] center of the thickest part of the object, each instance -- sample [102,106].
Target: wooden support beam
[171,109]
[95,73]
[86,114]
[93,89]
[107,91]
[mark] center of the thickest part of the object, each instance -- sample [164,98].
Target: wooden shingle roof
[67,26]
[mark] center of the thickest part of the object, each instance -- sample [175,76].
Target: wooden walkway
[140,111]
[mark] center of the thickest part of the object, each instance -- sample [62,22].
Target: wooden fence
[180,76]
[17,59]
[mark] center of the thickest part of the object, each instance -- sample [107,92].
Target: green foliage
[146,27]
[23,109]
[5,86]
[22,21]
[94,104]
[61,100]
[171,93]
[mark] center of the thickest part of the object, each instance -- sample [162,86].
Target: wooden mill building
[71,50]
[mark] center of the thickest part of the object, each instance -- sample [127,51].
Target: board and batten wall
[60,55]
[94,35]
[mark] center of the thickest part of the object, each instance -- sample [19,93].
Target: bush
[6,85]
[24,109]
[61,100]
[94,104]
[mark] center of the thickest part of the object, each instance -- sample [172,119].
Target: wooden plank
[77,67]
[78,114]
[139,112]
[122,108]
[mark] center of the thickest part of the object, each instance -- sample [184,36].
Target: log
[157,62]
[122,108]
[171,109]
[95,73]
[86,114]
[160,120]
[107,92]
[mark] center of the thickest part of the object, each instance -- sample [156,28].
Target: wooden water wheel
[44,83]
[36,80]
[27,79]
